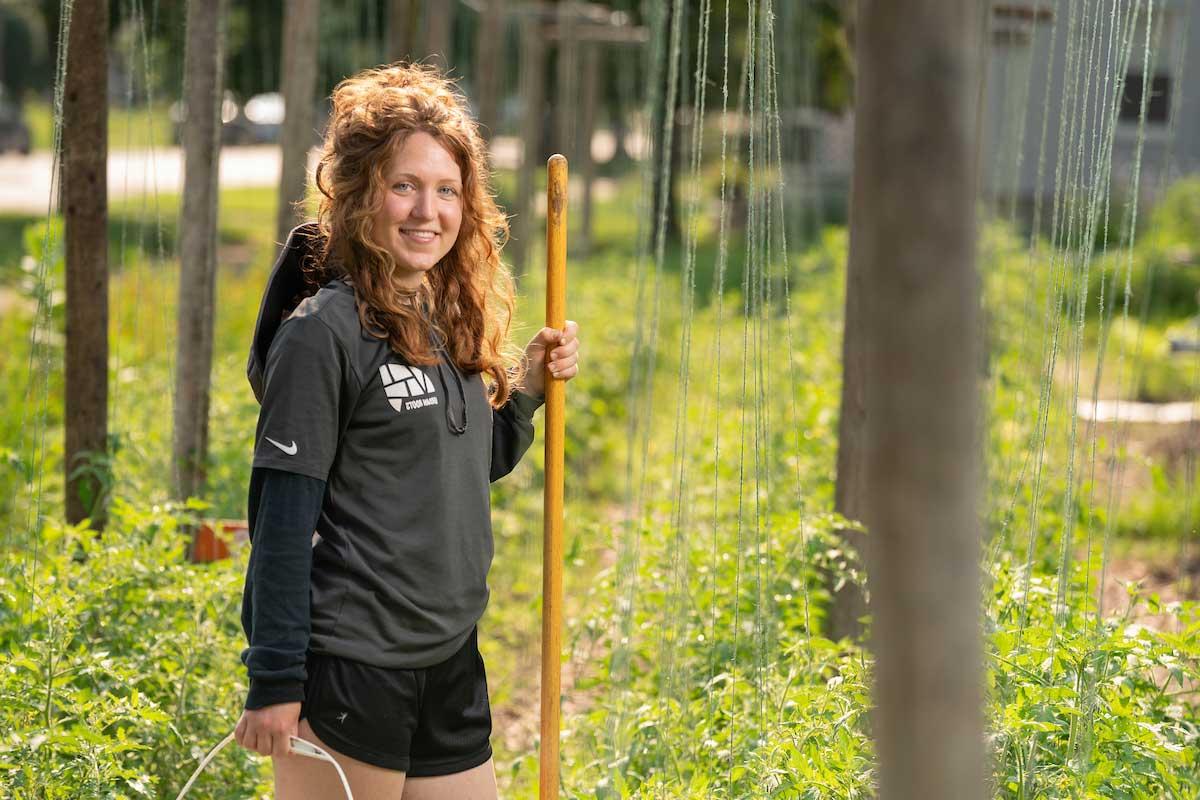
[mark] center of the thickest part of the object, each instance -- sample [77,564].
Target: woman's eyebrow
[447,179]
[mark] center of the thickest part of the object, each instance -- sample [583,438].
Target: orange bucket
[212,539]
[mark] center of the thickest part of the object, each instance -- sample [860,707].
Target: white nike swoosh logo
[289,449]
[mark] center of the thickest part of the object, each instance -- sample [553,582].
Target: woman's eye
[403,186]
[450,191]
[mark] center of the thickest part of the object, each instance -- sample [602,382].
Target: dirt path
[1171,577]
[10,299]
[518,721]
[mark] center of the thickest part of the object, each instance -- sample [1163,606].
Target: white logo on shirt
[407,387]
[289,449]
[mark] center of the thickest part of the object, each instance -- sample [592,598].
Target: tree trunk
[533,90]
[913,235]
[589,93]
[85,212]
[848,604]
[299,84]
[439,32]
[198,243]
[489,46]
[402,22]
[566,99]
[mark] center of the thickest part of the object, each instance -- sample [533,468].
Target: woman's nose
[423,206]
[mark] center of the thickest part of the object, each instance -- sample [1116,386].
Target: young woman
[378,432]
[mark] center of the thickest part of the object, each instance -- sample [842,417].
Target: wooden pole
[912,234]
[532,102]
[583,147]
[85,213]
[439,33]
[198,244]
[567,94]
[299,86]
[552,552]
[489,44]
[400,30]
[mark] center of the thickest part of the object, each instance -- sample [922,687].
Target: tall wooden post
[85,212]
[848,604]
[299,74]
[589,92]
[566,100]
[489,45]
[439,32]
[198,243]
[402,24]
[552,558]
[913,241]
[532,107]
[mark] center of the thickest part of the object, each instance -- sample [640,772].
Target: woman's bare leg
[477,783]
[304,778]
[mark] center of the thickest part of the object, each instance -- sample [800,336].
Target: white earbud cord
[297,745]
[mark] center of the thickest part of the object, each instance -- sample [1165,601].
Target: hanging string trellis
[1102,37]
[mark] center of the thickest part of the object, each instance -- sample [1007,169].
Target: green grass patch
[132,128]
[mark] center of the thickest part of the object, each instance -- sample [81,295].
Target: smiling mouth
[419,235]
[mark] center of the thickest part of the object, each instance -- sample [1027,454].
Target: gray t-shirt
[399,572]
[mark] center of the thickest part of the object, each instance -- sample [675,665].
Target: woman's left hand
[558,350]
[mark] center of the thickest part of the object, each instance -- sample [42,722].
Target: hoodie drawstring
[439,344]
[456,428]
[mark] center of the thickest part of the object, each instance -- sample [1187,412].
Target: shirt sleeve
[512,431]
[276,616]
[306,388]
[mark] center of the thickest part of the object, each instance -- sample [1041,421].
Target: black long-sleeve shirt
[282,512]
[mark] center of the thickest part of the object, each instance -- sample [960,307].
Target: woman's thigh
[304,778]
[477,783]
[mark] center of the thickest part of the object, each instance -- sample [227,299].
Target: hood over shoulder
[286,286]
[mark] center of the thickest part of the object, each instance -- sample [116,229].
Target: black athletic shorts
[430,721]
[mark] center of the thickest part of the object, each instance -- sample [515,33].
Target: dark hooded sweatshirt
[390,465]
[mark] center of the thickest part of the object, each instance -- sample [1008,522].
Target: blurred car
[259,121]
[14,133]
[229,113]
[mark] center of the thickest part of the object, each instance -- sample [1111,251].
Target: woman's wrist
[528,384]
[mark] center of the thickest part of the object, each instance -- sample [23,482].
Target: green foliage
[721,701]
[114,663]
[1168,510]
[115,680]
[1164,274]
[1142,366]
[35,363]
[1082,708]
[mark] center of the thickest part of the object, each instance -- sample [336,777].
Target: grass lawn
[128,128]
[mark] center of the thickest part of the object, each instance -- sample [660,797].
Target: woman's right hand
[268,730]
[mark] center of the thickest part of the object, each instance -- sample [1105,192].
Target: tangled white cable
[299,746]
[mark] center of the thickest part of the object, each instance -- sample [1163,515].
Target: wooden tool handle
[552,558]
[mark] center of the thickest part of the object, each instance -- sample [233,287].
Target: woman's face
[422,208]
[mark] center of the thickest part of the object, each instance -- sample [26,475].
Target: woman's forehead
[424,156]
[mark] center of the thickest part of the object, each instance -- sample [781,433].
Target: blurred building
[1051,84]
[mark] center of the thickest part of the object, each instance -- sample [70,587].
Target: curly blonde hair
[468,297]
